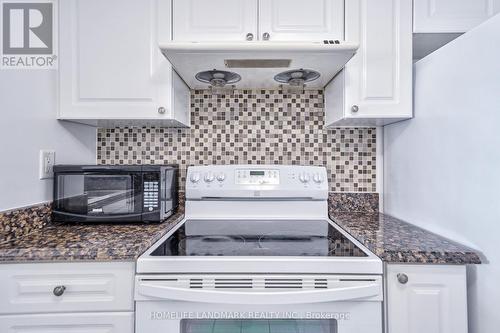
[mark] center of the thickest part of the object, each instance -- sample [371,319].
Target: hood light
[218,79]
[297,77]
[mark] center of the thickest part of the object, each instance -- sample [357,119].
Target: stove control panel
[257,177]
[263,181]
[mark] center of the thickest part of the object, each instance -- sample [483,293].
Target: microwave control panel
[151,192]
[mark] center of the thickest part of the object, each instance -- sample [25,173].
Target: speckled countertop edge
[396,241]
[84,242]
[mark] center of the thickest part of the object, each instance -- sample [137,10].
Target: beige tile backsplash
[252,127]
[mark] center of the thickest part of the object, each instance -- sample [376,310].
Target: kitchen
[313,171]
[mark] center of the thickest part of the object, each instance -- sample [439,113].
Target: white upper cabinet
[426,298]
[452,16]
[375,88]
[214,20]
[240,20]
[292,20]
[111,68]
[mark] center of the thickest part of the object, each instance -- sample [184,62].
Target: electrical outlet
[47,161]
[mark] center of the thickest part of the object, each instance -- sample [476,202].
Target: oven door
[98,194]
[258,304]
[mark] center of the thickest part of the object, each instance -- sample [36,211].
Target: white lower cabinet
[66,287]
[68,323]
[375,88]
[111,70]
[67,297]
[426,298]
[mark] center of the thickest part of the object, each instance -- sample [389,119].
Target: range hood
[260,64]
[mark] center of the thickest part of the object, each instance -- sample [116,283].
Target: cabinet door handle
[162,110]
[59,290]
[249,36]
[355,108]
[266,36]
[402,278]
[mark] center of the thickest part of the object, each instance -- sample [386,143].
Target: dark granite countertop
[86,242]
[393,240]
[396,241]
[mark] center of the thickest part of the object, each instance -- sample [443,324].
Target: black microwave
[121,193]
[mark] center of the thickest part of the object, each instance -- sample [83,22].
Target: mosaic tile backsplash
[252,127]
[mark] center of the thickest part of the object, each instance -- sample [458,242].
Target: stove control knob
[304,178]
[209,177]
[195,177]
[318,178]
[221,177]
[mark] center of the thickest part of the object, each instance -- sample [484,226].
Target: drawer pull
[59,290]
[402,278]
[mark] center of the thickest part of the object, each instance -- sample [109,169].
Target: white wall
[28,106]
[442,169]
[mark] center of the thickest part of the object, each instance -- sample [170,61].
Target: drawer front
[69,323]
[73,287]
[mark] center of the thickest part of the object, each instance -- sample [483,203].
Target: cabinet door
[291,20]
[214,20]
[452,16]
[32,288]
[433,300]
[377,81]
[111,66]
[122,322]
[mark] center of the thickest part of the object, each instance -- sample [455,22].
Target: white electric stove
[256,252]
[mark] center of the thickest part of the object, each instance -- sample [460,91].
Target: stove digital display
[258,177]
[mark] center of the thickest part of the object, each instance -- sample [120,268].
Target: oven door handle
[371,290]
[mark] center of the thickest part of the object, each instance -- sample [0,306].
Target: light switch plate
[47,161]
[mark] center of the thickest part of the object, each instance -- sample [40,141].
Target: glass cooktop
[258,238]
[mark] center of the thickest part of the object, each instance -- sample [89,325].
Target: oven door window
[258,326]
[99,194]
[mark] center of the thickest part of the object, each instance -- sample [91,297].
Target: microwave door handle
[372,290]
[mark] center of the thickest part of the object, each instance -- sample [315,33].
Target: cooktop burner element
[258,238]
[207,245]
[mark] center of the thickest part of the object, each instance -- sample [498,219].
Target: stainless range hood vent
[258,63]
